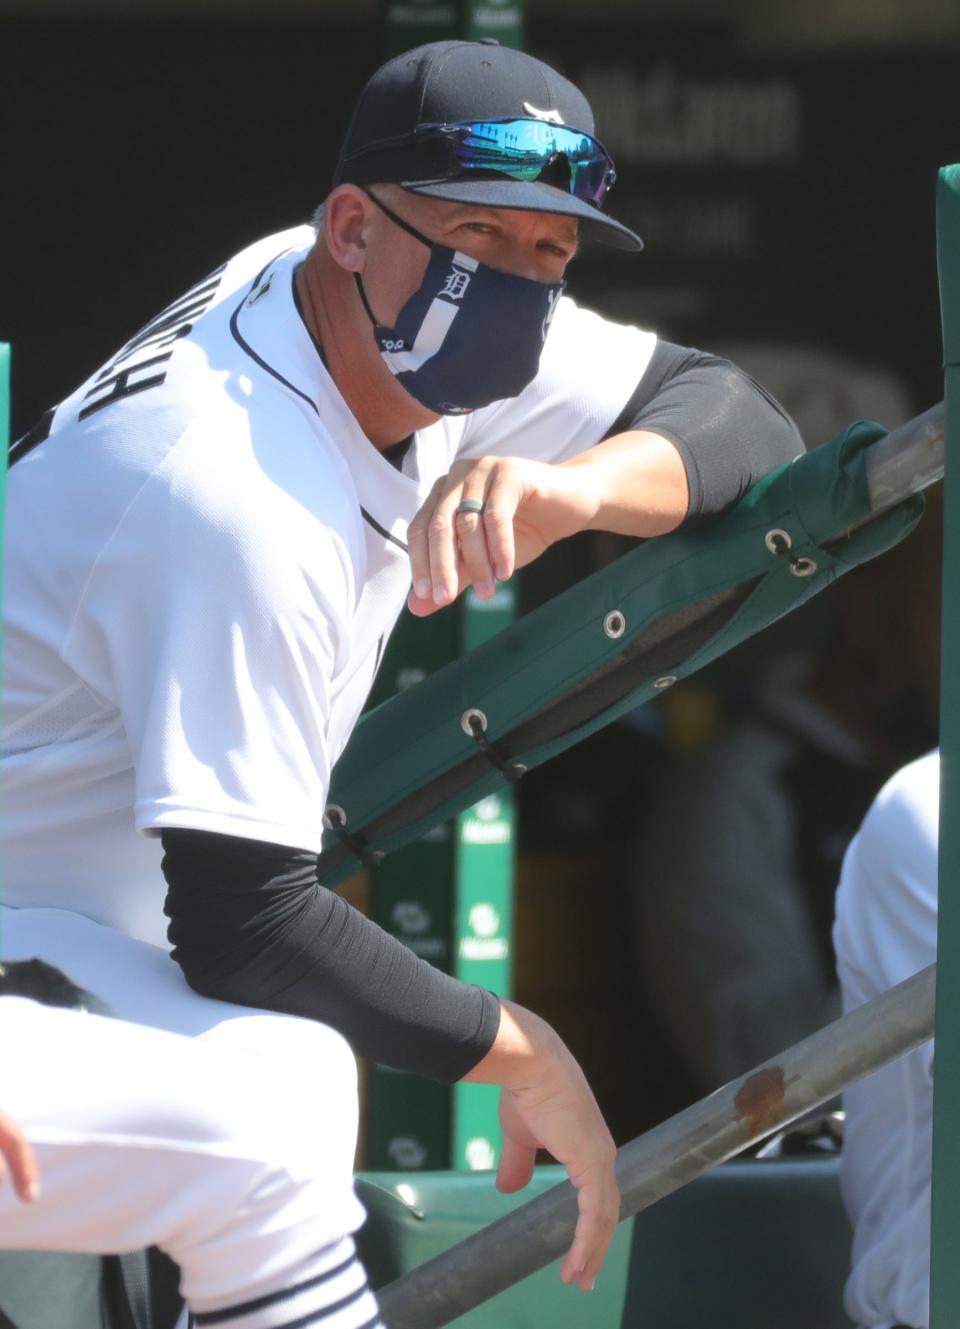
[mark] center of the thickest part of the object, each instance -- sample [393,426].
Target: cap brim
[531,196]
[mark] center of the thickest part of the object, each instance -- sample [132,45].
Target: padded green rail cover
[558,674]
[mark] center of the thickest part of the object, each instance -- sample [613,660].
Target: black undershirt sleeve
[728,430]
[250,923]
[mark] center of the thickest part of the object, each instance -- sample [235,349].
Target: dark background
[786,195]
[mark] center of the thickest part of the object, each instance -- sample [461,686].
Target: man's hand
[15,1149]
[547,1103]
[527,506]
[634,484]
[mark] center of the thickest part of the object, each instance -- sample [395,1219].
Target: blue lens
[528,150]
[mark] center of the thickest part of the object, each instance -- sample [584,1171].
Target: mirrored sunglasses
[521,149]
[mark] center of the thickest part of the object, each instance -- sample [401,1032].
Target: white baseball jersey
[886,930]
[203,559]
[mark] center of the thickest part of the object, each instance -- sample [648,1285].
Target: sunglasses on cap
[521,149]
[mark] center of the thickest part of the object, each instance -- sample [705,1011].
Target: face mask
[469,335]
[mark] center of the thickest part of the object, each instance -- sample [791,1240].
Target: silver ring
[471,505]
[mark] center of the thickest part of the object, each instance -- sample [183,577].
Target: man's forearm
[639,481]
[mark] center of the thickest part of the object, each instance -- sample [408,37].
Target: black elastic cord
[512,771]
[404,226]
[363,299]
[781,547]
[369,858]
[398,221]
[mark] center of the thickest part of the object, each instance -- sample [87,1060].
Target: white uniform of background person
[886,930]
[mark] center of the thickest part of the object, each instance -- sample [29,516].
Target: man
[885,931]
[210,540]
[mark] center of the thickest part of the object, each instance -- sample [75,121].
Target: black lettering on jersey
[175,321]
[122,384]
[167,327]
[32,439]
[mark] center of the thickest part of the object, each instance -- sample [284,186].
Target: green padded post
[945,1217]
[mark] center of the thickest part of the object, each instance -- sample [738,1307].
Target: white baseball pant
[222,1134]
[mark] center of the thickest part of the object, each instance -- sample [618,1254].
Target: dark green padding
[556,676]
[49,1291]
[751,1245]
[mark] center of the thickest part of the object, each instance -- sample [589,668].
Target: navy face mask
[469,335]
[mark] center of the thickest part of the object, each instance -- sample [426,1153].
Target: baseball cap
[447,84]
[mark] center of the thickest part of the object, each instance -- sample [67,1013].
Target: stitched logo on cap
[552,117]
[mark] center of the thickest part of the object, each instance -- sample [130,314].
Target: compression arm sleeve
[250,923]
[728,430]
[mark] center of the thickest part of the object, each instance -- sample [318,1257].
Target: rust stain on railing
[760,1098]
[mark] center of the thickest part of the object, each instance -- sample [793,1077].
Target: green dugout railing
[620,637]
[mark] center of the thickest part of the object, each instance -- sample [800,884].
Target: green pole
[449,897]
[945,1214]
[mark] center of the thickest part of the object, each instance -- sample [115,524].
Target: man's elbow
[212,975]
[775,437]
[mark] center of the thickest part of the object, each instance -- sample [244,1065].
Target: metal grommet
[472,720]
[334,818]
[778,541]
[614,625]
[802,567]
[667,681]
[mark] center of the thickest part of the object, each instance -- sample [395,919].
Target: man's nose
[527,259]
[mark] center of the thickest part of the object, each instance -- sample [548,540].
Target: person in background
[885,931]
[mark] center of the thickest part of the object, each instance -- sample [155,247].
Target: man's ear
[346,215]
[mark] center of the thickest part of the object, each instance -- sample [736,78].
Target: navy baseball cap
[464,121]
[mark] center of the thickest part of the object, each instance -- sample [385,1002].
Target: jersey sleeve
[215,618]
[886,919]
[589,370]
